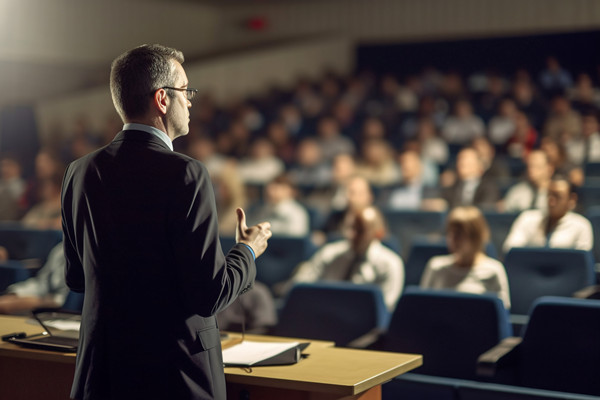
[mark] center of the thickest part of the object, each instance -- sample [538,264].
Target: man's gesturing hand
[255,236]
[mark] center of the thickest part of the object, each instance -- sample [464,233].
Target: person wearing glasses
[141,241]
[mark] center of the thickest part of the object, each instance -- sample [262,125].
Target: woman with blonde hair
[467,268]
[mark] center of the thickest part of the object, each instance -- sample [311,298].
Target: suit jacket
[486,194]
[141,239]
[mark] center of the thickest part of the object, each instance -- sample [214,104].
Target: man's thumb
[241,216]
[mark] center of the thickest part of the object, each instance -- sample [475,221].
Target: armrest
[589,292]
[366,340]
[501,354]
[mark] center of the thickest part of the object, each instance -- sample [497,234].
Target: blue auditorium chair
[281,258]
[559,349]
[26,243]
[450,329]
[406,225]
[541,271]
[588,196]
[491,391]
[73,302]
[336,311]
[12,271]
[500,224]
[593,214]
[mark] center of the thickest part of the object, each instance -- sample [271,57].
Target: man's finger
[241,216]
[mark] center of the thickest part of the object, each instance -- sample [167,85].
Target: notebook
[62,332]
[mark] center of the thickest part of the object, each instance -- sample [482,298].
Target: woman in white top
[467,268]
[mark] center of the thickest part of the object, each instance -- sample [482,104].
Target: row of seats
[27,249]
[557,351]
[556,357]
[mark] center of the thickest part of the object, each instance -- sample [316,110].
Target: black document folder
[62,332]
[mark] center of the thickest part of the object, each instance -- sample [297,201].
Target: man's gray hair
[136,74]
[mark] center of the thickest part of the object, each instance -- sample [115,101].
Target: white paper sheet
[250,353]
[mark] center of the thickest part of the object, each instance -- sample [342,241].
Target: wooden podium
[326,373]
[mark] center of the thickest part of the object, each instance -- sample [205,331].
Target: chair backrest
[589,196]
[405,225]
[281,258]
[12,271]
[500,224]
[535,272]
[418,257]
[593,214]
[450,329]
[73,302]
[561,346]
[25,243]
[337,311]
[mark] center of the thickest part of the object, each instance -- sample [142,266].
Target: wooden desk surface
[327,369]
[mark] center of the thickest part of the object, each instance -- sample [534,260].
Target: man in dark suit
[472,187]
[141,239]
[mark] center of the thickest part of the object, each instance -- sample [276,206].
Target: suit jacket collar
[139,136]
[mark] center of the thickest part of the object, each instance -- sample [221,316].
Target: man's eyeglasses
[189,93]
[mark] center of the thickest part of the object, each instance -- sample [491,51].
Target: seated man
[287,216]
[252,312]
[361,258]
[532,192]
[47,288]
[558,227]
[472,187]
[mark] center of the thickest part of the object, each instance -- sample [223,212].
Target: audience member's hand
[255,236]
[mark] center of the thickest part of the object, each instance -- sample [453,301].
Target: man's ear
[572,201]
[160,101]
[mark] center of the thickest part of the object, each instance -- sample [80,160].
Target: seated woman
[467,268]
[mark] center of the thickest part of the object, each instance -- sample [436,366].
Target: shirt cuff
[251,251]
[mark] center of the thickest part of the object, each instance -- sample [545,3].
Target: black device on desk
[62,332]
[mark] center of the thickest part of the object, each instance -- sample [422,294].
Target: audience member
[557,155]
[408,195]
[331,140]
[287,216]
[252,312]
[557,227]
[48,165]
[47,288]
[554,78]
[463,125]
[203,148]
[586,148]
[533,191]
[377,163]
[361,258]
[230,194]
[46,213]
[310,171]
[524,138]
[471,186]
[584,97]
[502,125]
[432,146]
[335,198]
[12,187]
[562,120]
[282,140]
[495,168]
[358,195]
[467,268]
[527,100]
[262,165]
